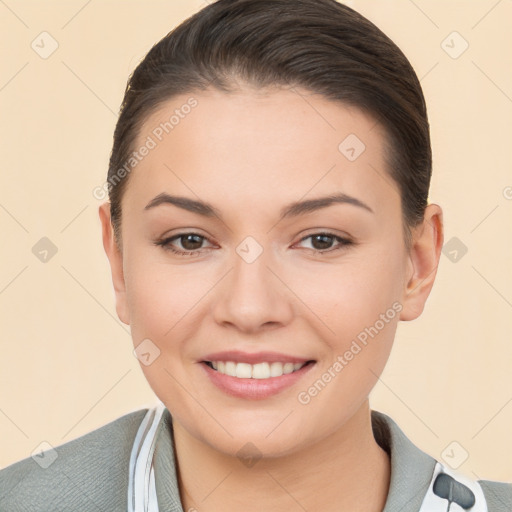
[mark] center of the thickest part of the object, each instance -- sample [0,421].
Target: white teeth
[276,369]
[261,371]
[243,370]
[287,368]
[230,368]
[255,371]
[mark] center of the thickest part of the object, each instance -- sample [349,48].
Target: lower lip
[255,389]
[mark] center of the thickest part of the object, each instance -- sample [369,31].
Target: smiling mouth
[262,370]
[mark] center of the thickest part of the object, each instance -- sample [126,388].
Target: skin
[249,154]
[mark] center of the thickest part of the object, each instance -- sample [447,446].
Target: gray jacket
[91,473]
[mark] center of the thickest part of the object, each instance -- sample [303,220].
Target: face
[256,297]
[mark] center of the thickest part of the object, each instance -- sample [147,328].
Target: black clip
[449,489]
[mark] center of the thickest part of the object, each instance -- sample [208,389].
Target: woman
[268,226]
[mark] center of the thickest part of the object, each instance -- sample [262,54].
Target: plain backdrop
[66,361]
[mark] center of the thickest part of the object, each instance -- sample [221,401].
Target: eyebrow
[292,210]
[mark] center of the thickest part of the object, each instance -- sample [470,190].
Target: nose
[251,297]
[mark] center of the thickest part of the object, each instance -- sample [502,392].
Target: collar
[411,468]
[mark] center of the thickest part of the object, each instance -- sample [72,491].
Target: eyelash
[165,243]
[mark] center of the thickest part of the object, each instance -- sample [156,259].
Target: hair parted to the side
[319,45]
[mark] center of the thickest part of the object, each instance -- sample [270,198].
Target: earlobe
[423,262]
[115,259]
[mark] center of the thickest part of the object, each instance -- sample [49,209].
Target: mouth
[255,376]
[262,371]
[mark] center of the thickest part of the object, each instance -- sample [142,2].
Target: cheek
[359,302]
[352,293]
[162,300]
[161,297]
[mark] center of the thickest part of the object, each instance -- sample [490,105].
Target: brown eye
[321,242]
[325,242]
[191,242]
[185,244]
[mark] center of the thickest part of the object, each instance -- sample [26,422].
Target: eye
[189,244]
[326,242]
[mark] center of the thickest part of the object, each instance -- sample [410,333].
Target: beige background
[66,364]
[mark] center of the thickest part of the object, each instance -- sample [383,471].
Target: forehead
[281,143]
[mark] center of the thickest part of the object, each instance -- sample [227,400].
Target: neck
[347,471]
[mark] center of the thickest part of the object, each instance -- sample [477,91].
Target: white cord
[141,481]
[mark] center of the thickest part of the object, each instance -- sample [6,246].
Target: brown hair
[319,45]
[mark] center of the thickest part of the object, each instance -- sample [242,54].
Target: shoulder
[411,469]
[498,495]
[88,473]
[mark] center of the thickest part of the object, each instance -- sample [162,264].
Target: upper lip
[254,358]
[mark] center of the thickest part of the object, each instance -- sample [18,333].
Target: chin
[255,446]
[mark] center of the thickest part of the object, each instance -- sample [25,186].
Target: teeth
[276,369]
[287,368]
[230,369]
[243,371]
[261,371]
[255,371]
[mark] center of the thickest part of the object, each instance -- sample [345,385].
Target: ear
[115,258]
[426,245]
